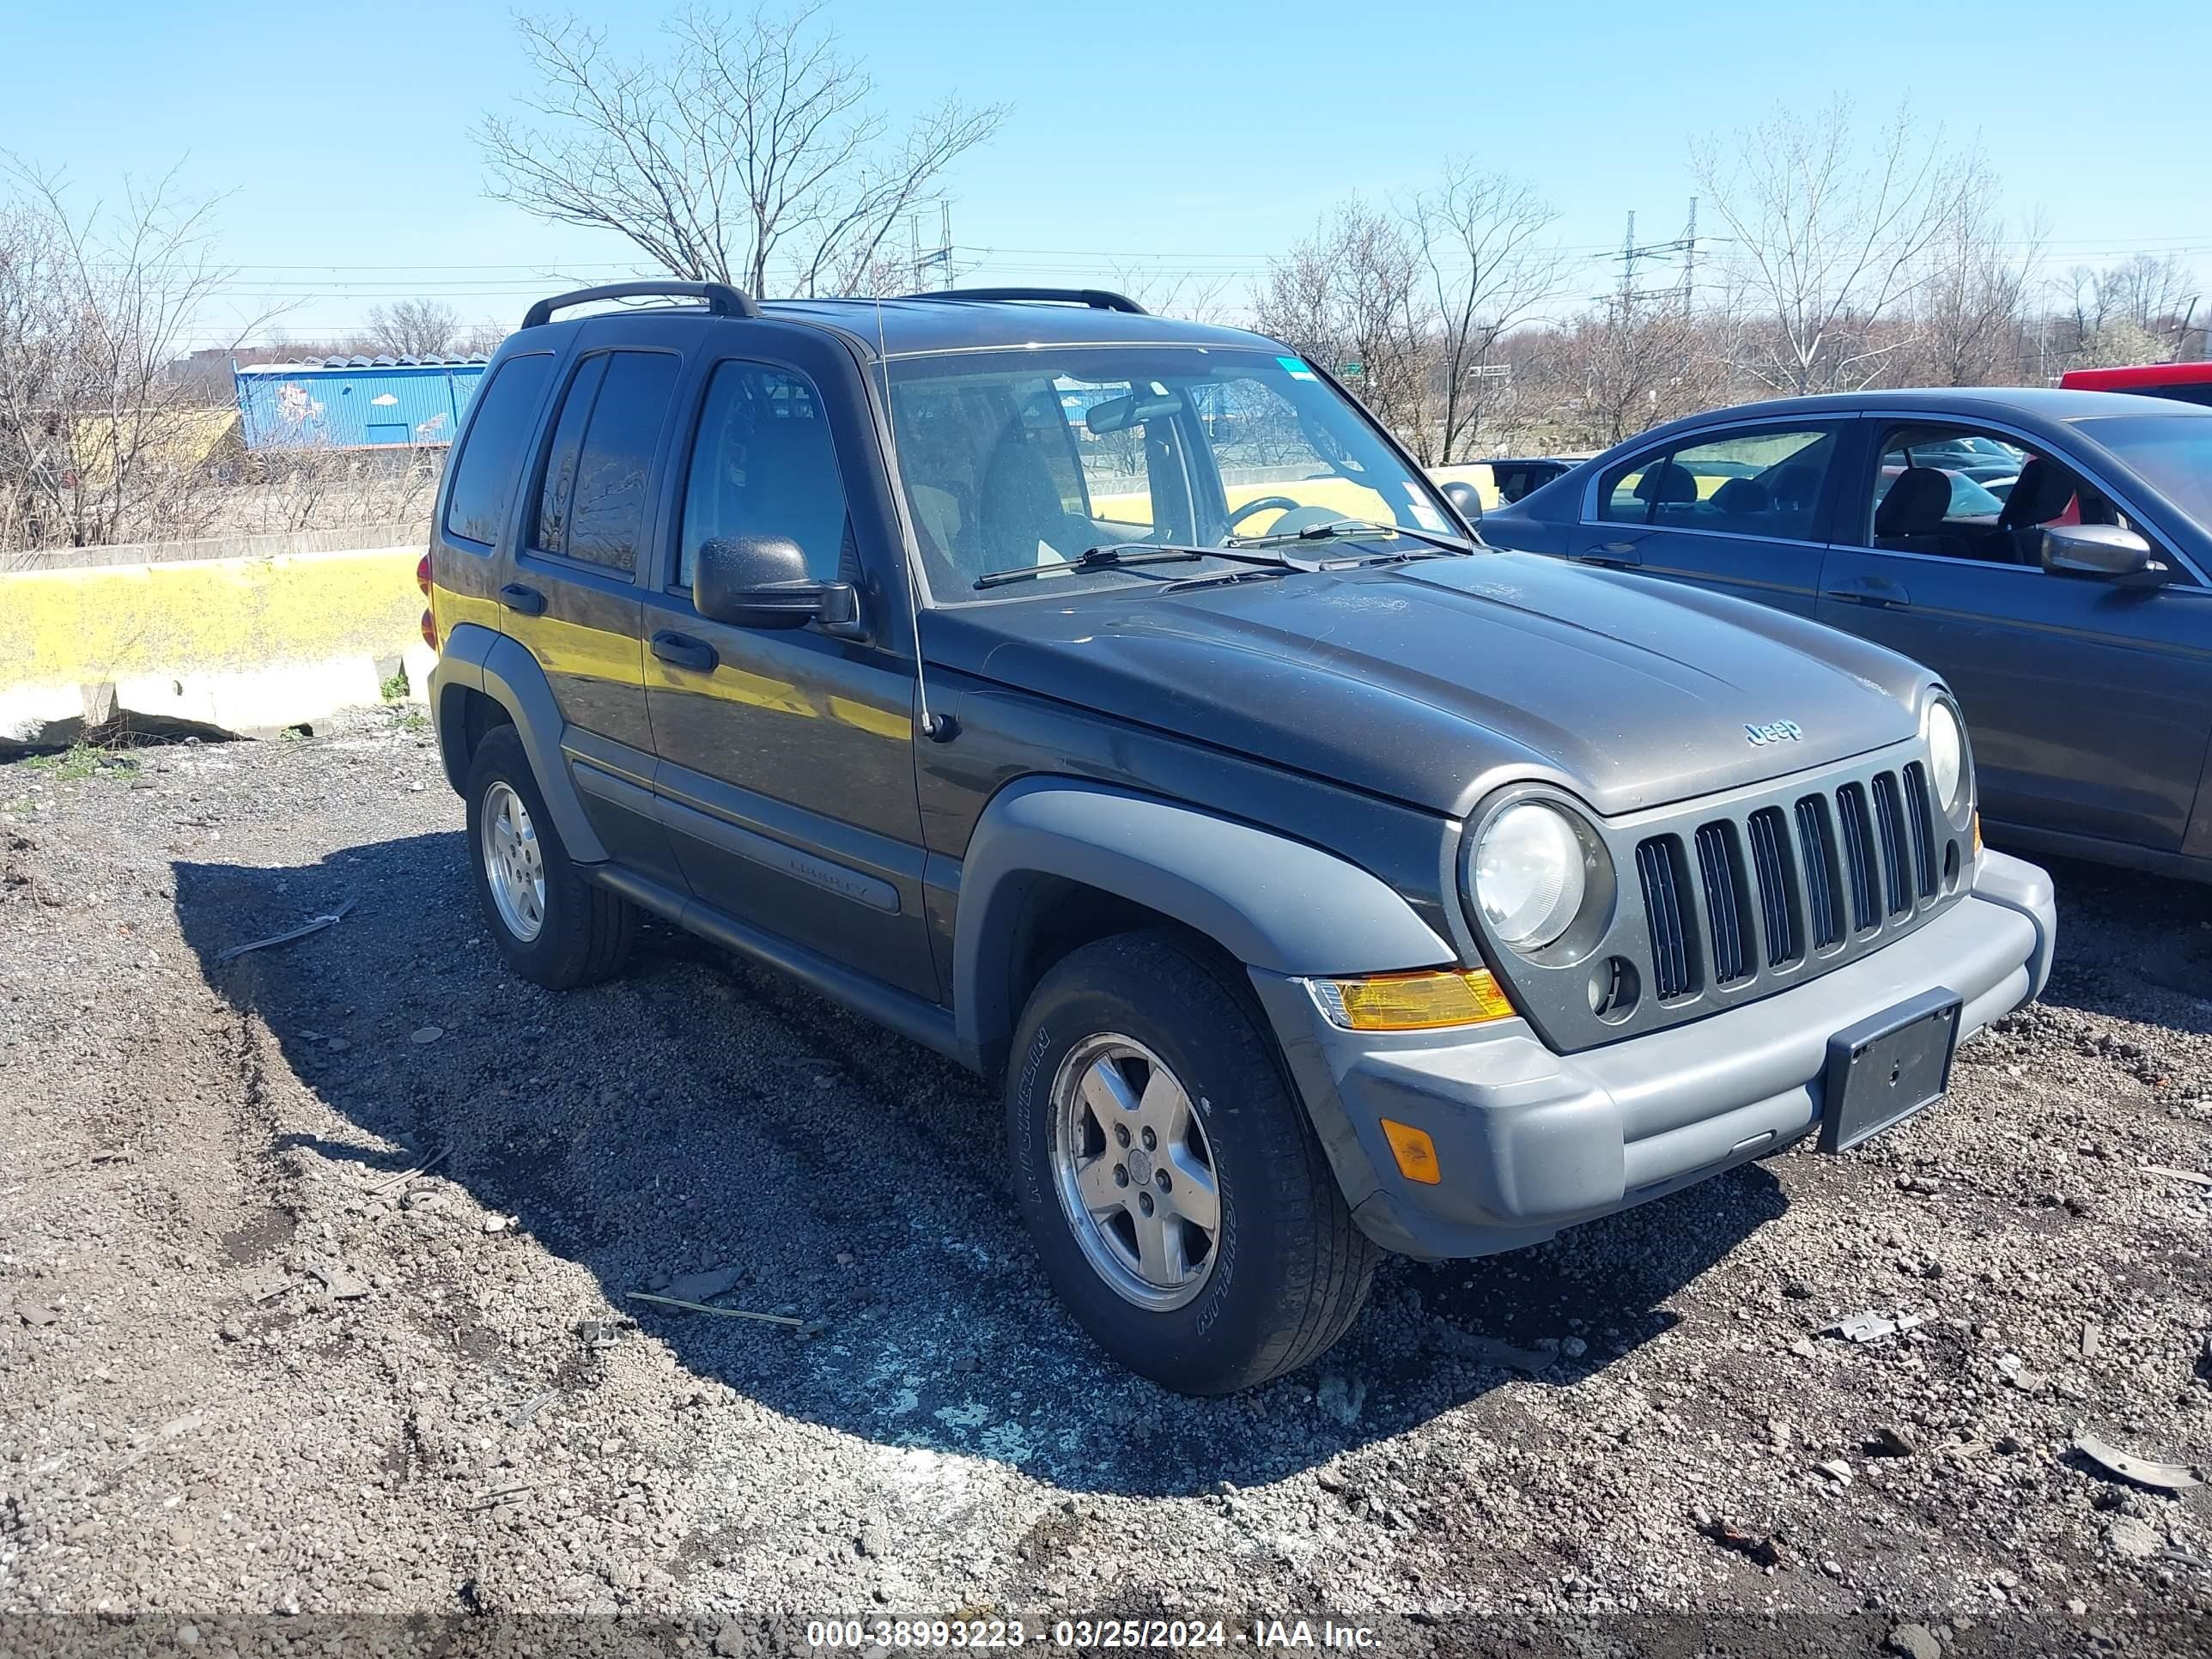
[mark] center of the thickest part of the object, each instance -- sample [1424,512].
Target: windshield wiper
[1225,579]
[1359,528]
[1117,556]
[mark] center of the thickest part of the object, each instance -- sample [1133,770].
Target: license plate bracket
[1887,1068]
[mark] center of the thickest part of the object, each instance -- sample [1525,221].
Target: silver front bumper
[1530,1142]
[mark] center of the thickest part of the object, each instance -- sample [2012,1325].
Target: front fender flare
[1273,903]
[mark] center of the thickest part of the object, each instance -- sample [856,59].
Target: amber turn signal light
[1419,1001]
[422,574]
[1415,1152]
[429,630]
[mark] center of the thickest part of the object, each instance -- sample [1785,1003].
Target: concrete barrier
[244,646]
[246,545]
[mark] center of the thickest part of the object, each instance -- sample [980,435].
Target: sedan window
[1928,499]
[1748,484]
[1625,496]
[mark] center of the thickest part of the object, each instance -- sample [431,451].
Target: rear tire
[554,927]
[1148,1033]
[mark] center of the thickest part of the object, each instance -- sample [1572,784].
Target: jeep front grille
[1770,879]
[1732,897]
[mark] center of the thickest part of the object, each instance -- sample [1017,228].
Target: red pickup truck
[2188,383]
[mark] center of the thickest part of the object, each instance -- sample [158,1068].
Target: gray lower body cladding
[1530,1142]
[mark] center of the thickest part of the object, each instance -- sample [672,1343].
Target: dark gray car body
[2090,703]
[1291,768]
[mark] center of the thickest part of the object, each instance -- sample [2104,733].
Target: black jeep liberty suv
[1111,703]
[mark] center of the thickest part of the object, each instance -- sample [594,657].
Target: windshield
[2172,452]
[1032,456]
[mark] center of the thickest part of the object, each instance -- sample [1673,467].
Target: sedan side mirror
[1467,500]
[2103,550]
[761,581]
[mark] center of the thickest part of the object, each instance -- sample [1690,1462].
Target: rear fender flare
[504,670]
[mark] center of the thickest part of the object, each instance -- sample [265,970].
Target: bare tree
[1827,241]
[1634,366]
[96,425]
[1484,273]
[2152,292]
[2120,342]
[1350,296]
[1973,305]
[751,152]
[1196,296]
[2085,300]
[414,328]
[481,339]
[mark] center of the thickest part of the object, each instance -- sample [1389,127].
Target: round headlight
[1947,758]
[1528,876]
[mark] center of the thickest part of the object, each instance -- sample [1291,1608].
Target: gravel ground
[250,1366]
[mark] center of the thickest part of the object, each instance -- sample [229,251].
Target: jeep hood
[1433,683]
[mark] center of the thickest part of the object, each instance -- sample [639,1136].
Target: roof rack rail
[722,299]
[1098,298]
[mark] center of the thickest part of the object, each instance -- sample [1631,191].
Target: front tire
[1184,1211]
[554,927]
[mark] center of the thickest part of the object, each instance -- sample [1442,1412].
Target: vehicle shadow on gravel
[697,1116]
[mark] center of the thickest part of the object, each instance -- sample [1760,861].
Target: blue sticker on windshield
[1298,368]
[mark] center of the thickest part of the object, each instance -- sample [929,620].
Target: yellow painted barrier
[221,644]
[106,622]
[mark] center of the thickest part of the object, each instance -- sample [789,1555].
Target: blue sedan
[2048,552]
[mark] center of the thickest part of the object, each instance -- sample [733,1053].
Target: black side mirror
[761,581]
[1467,500]
[2103,550]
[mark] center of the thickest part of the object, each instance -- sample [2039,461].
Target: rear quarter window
[485,475]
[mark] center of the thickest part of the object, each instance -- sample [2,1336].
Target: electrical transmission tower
[1632,253]
[933,266]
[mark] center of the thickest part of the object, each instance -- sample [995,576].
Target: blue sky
[1193,134]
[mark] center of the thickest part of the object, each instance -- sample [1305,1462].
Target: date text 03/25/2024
[1086,1634]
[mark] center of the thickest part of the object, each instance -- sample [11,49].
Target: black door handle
[527,600]
[684,652]
[1870,590]
[1612,553]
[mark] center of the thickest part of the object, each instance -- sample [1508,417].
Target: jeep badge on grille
[1779,732]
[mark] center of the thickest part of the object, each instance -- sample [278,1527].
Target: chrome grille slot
[1768,832]
[1857,838]
[1889,833]
[1673,961]
[1719,865]
[1816,840]
[1919,809]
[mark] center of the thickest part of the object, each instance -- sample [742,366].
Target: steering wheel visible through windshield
[1032,456]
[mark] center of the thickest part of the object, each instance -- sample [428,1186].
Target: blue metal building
[352,403]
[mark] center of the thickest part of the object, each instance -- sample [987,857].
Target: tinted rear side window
[484,476]
[614,465]
[561,462]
